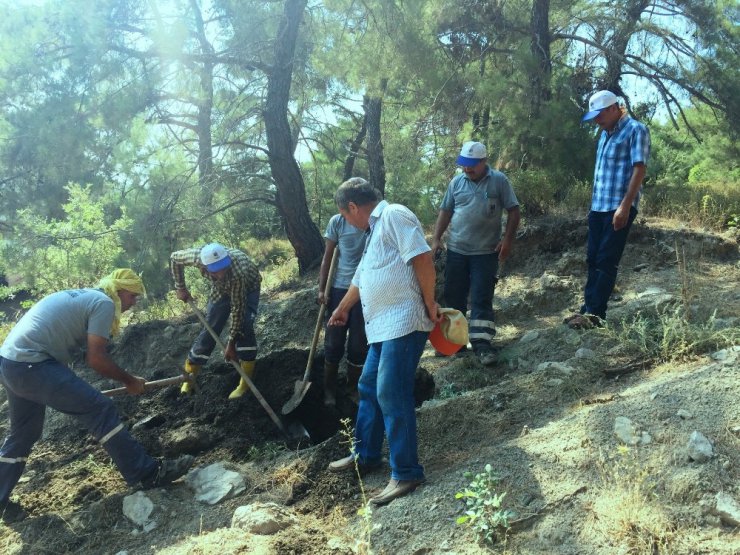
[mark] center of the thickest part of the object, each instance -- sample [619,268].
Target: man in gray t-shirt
[350,242]
[472,208]
[34,371]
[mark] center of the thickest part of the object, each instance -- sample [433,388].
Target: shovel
[302,386]
[297,431]
[149,386]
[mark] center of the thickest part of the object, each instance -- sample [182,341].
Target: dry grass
[626,511]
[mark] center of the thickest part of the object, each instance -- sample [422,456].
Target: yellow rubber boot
[187,388]
[242,388]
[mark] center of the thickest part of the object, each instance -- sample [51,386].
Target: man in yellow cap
[34,370]
[235,290]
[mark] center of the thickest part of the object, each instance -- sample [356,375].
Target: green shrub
[484,512]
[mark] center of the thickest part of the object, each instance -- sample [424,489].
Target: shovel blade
[300,390]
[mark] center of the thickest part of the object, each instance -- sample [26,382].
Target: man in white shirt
[395,284]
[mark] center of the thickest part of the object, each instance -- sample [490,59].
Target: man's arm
[99,360]
[426,276]
[622,213]
[178,261]
[443,220]
[341,313]
[324,270]
[512,224]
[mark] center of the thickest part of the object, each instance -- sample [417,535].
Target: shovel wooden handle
[322,311]
[239,369]
[148,386]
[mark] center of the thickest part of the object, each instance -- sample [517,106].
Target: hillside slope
[544,419]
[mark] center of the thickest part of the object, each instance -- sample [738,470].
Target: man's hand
[321,299]
[503,249]
[230,352]
[135,385]
[339,317]
[436,246]
[183,295]
[621,217]
[433,311]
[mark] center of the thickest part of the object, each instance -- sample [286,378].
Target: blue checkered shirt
[616,155]
[391,298]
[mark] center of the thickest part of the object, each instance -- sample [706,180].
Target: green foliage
[671,336]
[540,192]
[62,254]
[484,513]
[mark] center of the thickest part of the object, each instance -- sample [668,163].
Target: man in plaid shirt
[621,157]
[235,290]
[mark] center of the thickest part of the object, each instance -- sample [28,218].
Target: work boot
[353,378]
[243,387]
[168,471]
[187,387]
[330,383]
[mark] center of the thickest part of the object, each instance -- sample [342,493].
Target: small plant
[362,544]
[448,391]
[483,506]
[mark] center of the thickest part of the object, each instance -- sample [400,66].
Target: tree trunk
[354,148]
[621,38]
[540,48]
[205,110]
[375,160]
[291,192]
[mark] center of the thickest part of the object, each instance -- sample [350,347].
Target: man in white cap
[472,208]
[235,290]
[621,157]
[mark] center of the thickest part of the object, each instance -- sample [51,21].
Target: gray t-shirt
[476,208]
[56,327]
[351,242]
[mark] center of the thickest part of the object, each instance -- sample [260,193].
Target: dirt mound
[543,417]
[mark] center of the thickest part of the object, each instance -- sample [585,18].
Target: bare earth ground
[546,431]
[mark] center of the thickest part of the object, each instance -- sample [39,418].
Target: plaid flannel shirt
[616,155]
[241,278]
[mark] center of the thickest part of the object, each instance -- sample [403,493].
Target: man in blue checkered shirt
[621,157]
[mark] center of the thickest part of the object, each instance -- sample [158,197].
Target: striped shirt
[390,294]
[616,155]
[242,277]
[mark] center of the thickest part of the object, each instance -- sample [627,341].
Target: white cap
[471,153]
[215,257]
[598,101]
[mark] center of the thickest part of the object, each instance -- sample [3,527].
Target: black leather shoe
[169,470]
[395,489]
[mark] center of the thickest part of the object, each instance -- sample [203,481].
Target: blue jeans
[474,274]
[387,405]
[31,387]
[216,315]
[603,253]
[335,336]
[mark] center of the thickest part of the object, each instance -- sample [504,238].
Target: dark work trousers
[476,275]
[31,387]
[216,315]
[603,253]
[353,333]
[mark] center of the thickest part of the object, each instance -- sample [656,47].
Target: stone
[699,448]
[528,337]
[684,414]
[214,483]
[626,431]
[263,519]
[556,366]
[583,352]
[137,507]
[727,509]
